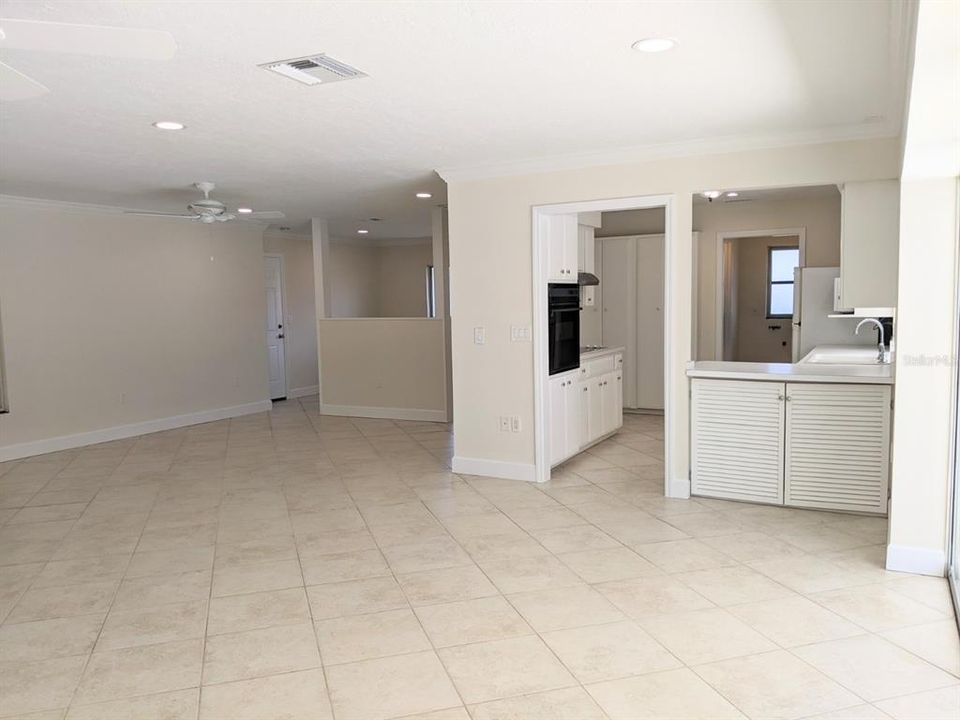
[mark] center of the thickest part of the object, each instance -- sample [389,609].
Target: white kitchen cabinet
[561,240]
[814,445]
[736,440]
[611,402]
[564,417]
[586,244]
[869,244]
[837,447]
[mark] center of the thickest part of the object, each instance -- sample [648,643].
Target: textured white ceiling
[451,85]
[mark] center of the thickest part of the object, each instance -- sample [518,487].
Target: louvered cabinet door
[737,440]
[838,447]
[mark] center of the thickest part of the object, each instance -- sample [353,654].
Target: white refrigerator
[812,306]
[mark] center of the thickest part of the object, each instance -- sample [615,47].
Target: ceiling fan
[97,40]
[209,210]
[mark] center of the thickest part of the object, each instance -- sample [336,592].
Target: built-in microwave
[563,321]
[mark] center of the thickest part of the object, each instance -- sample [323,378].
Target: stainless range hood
[586,279]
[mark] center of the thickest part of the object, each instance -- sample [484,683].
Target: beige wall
[378,279]
[756,341]
[353,276]
[389,367]
[300,325]
[490,246]
[111,320]
[402,273]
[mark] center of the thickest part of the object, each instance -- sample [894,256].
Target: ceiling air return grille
[314,70]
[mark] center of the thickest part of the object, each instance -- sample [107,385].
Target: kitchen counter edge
[792,372]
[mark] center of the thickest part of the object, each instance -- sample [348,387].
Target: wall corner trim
[916,560]
[495,468]
[388,413]
[119,432]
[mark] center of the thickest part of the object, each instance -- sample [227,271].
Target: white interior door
[276,355]
[619,307]
[648,370]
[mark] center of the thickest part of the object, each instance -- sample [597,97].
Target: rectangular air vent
[314,69]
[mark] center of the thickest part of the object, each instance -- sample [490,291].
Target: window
[780,266]
[431,293]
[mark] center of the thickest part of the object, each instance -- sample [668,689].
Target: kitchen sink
[841,355]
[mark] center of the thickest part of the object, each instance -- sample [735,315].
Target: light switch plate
[519,333]
[479,336]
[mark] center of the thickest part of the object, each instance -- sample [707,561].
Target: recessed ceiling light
[654,44]
[732,194]
[168,125]
[244,211]
[424,195]
[711,194]
[362,232]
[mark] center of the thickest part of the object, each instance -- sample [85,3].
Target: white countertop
[593,354]
[797,372]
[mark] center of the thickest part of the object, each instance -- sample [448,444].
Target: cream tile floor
[286,565]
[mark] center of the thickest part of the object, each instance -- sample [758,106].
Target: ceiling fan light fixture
[169,125]
[711,194]
[654,44]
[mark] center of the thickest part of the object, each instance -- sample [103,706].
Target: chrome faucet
[880,345]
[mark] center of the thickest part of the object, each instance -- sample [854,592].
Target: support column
[321,286]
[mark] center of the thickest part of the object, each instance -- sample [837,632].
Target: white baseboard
[387,413]
[919,561]
[678,488]
[495,468]
[303,391]
[119,432]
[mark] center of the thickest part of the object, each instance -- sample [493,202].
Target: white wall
[111,320]
[300,317]
[491,251]
[927,287]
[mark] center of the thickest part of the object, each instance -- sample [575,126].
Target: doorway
[755,293]
[676,482]
[275,333]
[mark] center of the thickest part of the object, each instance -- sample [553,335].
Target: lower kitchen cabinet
[814,445]
[564,417]
[585,406]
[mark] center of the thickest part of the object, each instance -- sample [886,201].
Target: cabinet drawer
[599,366]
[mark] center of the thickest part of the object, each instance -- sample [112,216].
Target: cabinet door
[560,237]
[595,401]
[585,434]
[611,402]
[572,418]
[838,447]
[558,427]
[736,440]
[869,243]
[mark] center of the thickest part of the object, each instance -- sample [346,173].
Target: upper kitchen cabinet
[869,241]
[562,244]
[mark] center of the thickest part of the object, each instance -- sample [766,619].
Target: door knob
[280,336]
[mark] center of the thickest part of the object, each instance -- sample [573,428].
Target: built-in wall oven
[563,313]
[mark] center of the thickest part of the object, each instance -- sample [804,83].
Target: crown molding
[687,148]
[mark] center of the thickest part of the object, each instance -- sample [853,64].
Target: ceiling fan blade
[160,214]
[265,215]
[14,85]
[99,40]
